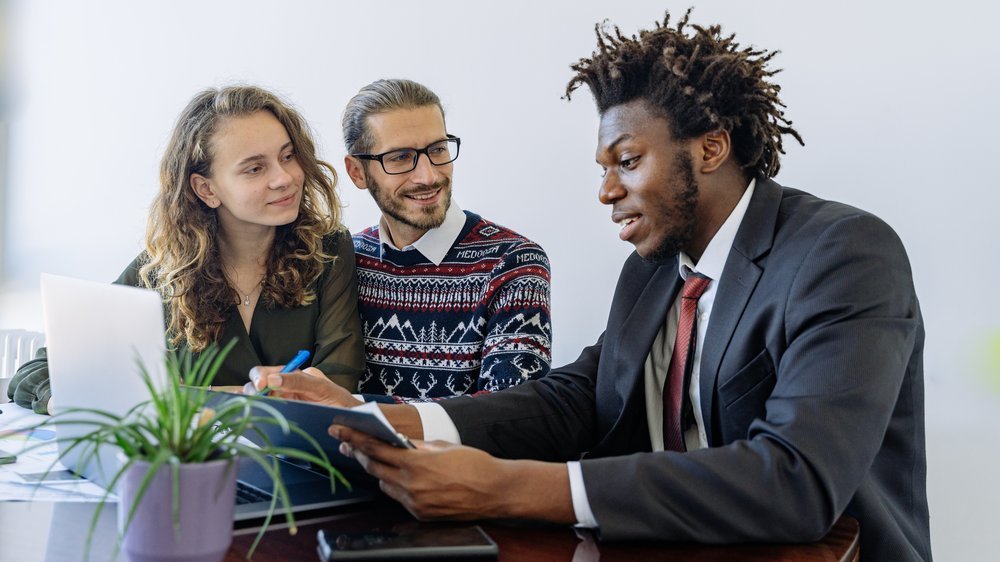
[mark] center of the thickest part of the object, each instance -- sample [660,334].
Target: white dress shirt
[436,242]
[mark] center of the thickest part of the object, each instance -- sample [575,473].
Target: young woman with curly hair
[244,241]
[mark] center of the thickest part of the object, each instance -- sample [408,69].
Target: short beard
[426,221]
[680,210]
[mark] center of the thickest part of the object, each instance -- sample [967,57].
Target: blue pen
[300,358]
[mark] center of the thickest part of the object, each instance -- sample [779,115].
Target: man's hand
[309,385]
[440,480]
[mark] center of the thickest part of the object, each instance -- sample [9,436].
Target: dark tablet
[315,419]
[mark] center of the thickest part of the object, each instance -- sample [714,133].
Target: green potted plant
[177,482]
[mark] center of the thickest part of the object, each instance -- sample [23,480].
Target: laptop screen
[96,335]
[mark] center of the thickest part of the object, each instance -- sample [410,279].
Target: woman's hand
[308,385]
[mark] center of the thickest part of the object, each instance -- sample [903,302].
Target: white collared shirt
[436,242]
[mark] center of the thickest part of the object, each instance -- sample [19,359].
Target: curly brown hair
[182,259]
[699,79]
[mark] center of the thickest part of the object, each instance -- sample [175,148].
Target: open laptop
[95,332]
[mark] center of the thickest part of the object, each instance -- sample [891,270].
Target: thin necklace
[236,285]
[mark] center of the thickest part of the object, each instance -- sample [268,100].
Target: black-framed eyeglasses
[403,160]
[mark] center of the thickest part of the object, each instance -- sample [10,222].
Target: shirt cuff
[436,423]
[581,506]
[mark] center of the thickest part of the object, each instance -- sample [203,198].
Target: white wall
[896,101]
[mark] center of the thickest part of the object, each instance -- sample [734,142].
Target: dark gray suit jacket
[811,388]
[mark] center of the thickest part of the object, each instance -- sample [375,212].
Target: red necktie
[673,388]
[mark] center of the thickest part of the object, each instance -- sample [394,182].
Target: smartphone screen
[409,541]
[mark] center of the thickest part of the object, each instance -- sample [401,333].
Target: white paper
[36,454]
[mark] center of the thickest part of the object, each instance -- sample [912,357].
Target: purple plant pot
[207,501]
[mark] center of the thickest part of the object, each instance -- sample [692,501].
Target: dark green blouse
[329,328]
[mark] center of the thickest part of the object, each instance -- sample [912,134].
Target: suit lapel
[624,411]
[641,326]
[739,278]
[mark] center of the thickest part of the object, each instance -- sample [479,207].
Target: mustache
[440,184]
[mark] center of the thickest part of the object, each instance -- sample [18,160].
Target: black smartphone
[407,541]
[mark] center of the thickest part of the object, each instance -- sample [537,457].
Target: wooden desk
[39,531]
[524,542]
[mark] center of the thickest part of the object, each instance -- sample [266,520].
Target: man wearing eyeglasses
[450,302]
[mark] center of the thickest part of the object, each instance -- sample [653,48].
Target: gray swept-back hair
[379,97]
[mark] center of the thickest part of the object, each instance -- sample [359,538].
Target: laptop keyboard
[248,494]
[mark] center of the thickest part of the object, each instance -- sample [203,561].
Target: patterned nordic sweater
[477,322]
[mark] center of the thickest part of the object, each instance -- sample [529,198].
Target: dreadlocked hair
[699,79]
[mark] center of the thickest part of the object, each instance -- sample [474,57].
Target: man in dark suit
[761,371]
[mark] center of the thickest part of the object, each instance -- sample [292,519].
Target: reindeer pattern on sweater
[478,322]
